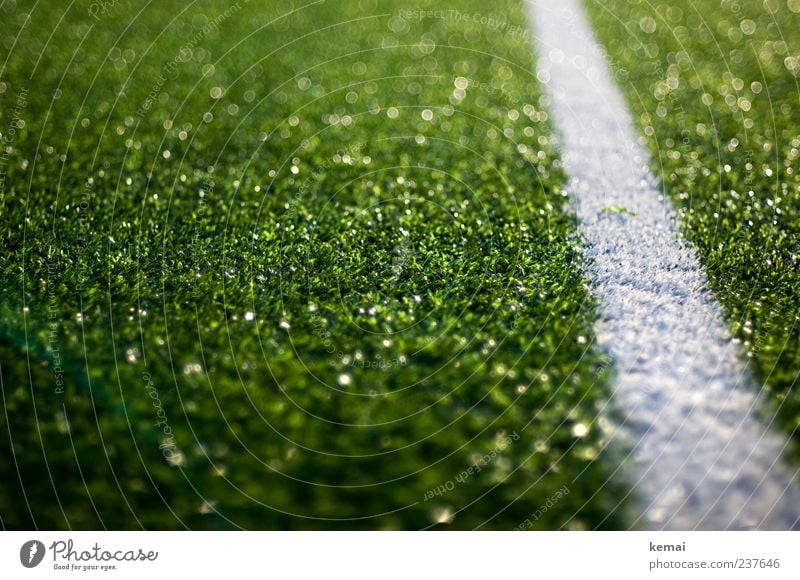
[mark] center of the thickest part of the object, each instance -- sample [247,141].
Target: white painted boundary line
[702,457]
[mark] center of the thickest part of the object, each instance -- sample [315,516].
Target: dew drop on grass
[541,446]
[647,24]
[442,515]
[175,459]
[192,369]
[580,430]
[748,26]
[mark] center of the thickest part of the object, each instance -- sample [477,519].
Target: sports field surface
[355,265]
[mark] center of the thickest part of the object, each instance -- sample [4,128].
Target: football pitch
[324,265]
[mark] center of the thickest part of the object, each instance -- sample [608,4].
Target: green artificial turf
[296,268]
[713,85]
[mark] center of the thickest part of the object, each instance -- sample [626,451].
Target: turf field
[311,265]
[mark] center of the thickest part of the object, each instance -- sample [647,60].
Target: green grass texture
[294,265]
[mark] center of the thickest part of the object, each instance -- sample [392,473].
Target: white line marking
[703,458]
